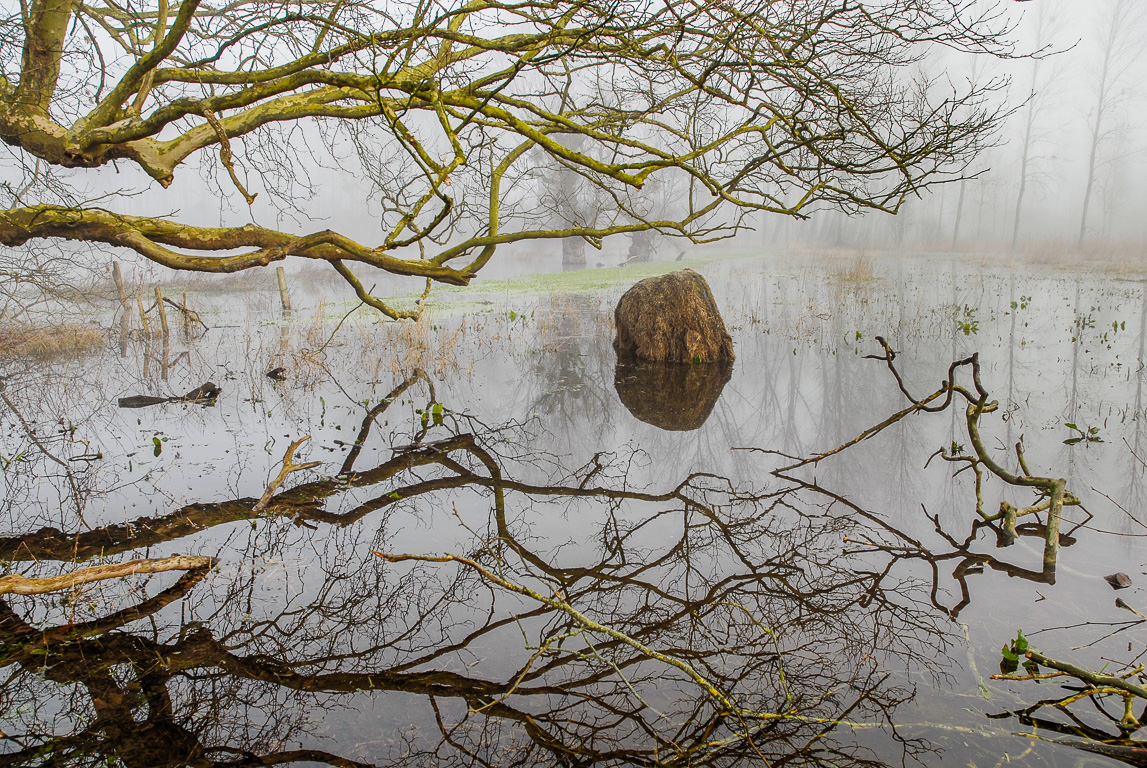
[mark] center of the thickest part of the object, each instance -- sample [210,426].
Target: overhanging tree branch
[753,104]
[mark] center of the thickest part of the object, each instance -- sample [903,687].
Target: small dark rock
[1118,580]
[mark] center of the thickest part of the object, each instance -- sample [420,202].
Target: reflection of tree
[1088,739]
[744,586]
[1134,495]
[1051,493]
[584,619]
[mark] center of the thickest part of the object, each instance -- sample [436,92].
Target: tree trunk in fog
[977,73]
[1029,120]
[573,254]
[640,247]
[980,211]
[1115,36]
[1037,101]
[1096,132]
[959,214]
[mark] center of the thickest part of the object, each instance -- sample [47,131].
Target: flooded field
[508,550]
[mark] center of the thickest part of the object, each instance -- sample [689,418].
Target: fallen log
[204,394]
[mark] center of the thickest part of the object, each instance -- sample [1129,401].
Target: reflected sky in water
[613,557]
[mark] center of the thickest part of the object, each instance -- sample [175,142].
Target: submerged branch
[285,471]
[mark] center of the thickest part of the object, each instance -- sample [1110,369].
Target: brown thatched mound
[673,397]
[671,319]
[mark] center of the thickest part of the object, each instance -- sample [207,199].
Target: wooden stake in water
[162,310]
[125,312]
[284,297]
[117,276]
[143,316]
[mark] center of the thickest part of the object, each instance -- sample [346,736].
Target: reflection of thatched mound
[672,397]
[671,319]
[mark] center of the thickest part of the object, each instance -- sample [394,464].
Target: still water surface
[633,580]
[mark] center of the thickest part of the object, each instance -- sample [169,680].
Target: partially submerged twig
[31,433]
[288,467]
[204,394]
[1097,684]
[1052,491]
[189,313]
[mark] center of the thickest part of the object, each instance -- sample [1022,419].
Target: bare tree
[1119,44]
[754,105]
[1039,97]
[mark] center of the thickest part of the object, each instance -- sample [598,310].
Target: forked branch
[289,466]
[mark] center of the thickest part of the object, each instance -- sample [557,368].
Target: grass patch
[584,280]
[482,296]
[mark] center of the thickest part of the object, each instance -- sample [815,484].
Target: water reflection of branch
[561,605]
[746,588]
[1053,495]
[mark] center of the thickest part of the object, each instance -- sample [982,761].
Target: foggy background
[1078,115]
[1074,139]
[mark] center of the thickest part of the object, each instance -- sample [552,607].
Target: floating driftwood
[21,585]
[204,394]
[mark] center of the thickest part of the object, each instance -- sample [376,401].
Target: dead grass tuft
[432,345]
[49,341]
[859,270]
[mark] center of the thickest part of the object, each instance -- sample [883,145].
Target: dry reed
[49,341]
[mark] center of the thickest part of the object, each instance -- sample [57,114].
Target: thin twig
[340,325]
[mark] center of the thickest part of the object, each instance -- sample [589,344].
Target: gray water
[627,594]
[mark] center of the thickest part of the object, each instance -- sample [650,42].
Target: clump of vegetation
[859,270]
[48,341]
[1097,686]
